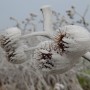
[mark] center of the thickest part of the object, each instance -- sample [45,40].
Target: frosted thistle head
[10,43]
[10,36]
[47,58]
[43,56]
[72,38]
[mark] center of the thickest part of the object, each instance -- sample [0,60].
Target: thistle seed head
[43,56]
[10,43]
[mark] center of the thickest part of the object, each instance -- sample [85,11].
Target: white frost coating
[13,33]
[47,15]
[59,59]
[73,40]
[11,36]
[76,36]
[76,31]
[25,47]
[48,60]
[41,33]
[12,45]
[19,57]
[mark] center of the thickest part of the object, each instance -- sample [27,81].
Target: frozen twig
[18,24]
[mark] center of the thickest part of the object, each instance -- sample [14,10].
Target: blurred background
[21,8]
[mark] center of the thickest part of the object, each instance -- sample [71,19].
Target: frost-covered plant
[12,46]
[60,51]
[65,49]
[66,46]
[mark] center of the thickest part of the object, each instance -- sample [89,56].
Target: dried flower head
[10,43]
[43,56]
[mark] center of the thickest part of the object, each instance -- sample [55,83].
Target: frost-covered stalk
[47,16]
[41,33]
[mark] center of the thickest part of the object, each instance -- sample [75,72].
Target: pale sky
[21,8]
